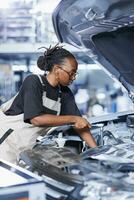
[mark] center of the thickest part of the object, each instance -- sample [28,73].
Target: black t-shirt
[34,99]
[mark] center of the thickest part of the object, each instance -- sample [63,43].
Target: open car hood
[104,30]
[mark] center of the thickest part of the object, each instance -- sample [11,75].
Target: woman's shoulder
[31,79]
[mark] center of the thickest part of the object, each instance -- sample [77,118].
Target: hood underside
[118,48]
[104,30]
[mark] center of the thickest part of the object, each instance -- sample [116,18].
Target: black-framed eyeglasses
[70,74]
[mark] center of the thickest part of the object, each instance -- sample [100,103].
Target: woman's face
[67,71]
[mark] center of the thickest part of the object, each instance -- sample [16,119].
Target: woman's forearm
[52,120]
[87,137]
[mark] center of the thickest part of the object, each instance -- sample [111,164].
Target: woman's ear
[56,72]
[56,69]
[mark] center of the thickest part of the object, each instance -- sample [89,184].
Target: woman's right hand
[81,123]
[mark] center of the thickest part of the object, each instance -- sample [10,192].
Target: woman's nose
[73,77]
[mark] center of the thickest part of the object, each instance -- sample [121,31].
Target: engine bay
[65,161]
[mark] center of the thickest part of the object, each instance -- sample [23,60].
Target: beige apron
[24,135]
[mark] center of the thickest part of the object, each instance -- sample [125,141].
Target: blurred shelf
[29,47]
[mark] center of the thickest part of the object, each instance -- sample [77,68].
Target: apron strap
[6,134]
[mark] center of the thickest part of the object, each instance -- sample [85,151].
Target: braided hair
[53,55]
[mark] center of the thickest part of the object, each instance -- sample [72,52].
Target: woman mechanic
[53,104]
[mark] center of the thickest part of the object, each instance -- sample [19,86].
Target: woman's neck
[52,80]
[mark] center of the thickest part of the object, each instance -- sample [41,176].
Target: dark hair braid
[53,55]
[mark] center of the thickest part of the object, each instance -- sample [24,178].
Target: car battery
[17,183]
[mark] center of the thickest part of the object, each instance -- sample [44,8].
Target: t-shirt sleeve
[68,104]
[32,95]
